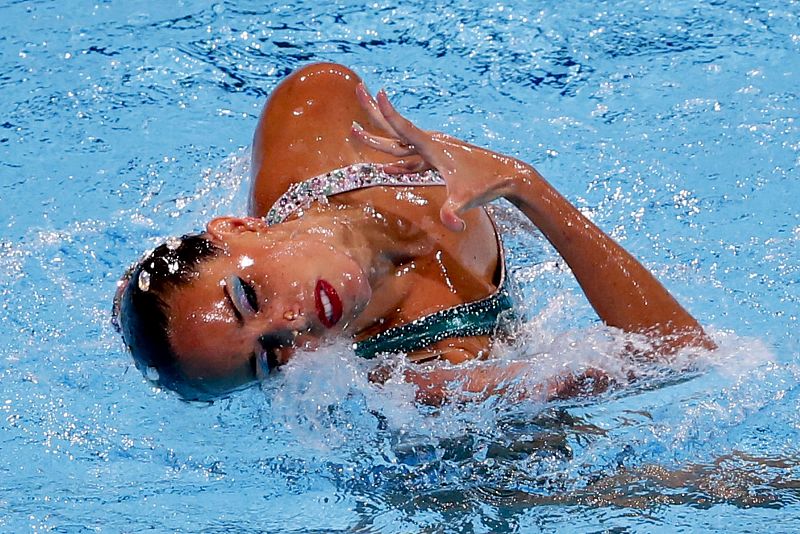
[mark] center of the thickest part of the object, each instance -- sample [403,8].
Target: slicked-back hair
[142,313]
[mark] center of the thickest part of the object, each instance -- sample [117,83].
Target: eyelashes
[242,295]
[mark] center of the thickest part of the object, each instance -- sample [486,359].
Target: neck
[378,243]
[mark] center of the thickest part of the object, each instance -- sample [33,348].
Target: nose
[292,317]
[288,331]
[282,319]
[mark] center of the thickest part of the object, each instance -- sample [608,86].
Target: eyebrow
[234,309]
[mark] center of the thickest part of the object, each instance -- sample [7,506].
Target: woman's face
[268,294]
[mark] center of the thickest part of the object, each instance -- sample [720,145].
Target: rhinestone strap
[301,195]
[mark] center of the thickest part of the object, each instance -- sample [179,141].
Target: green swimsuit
[477,318]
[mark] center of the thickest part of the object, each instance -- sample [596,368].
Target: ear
[221,227]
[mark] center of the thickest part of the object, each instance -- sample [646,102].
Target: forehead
[203,297]
[202,328]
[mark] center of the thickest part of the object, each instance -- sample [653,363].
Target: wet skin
[415,266]
[221,331]
[395,254]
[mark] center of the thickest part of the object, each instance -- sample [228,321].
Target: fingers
[371,107]
[416,145]
[403,127]
[382,373]
[382,113]
[450,218]
[412,140]
[410,165]
[384,144]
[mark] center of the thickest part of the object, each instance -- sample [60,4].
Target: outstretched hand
[474,175]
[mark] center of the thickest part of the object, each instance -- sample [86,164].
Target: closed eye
[242,295]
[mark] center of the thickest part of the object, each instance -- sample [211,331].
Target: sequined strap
[485,317]
[301,195]
[489,316]
[482,317]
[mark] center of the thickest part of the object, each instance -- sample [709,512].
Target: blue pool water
[673,125]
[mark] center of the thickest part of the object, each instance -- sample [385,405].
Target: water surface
[673,127]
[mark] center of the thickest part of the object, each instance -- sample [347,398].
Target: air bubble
[151,374]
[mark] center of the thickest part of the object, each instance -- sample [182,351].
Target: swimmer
[363,226]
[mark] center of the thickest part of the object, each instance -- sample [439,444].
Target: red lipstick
[329,305]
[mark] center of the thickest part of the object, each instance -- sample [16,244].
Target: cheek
[356,283]
[217,313]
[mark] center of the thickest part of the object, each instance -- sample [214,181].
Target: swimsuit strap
[301,195]
[483,317]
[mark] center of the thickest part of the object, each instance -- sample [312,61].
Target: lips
[329,306]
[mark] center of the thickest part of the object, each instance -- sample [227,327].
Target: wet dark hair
[141,312]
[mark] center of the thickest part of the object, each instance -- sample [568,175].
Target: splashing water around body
[672,126]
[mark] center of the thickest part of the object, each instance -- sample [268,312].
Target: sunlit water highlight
[673,127]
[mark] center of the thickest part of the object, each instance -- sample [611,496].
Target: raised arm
[621,290]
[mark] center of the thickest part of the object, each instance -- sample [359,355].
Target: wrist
[520,185]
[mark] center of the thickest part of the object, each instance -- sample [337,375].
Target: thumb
[449,216]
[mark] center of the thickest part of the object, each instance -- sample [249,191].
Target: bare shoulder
[304,130]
